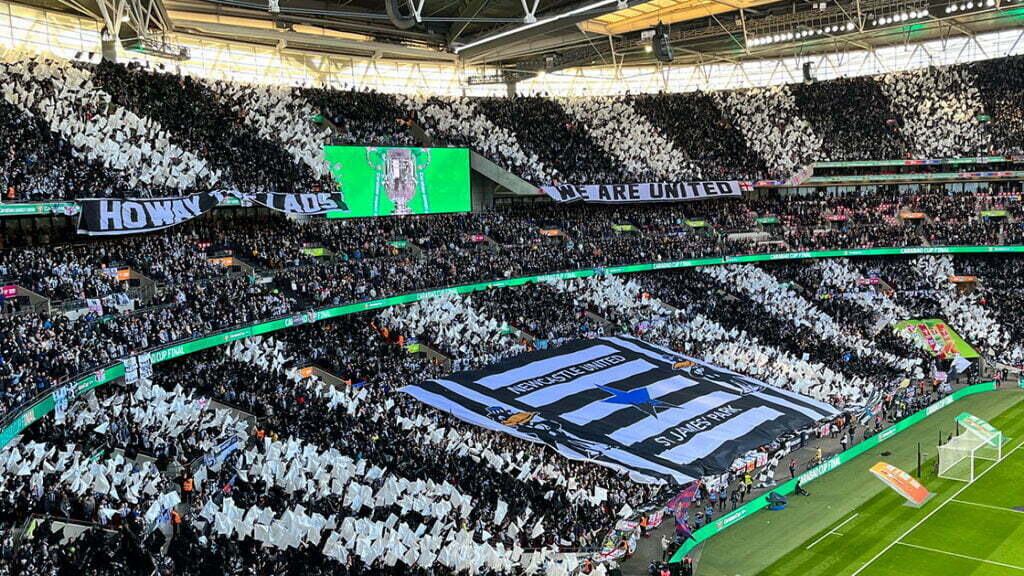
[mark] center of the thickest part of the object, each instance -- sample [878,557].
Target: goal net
[959,458]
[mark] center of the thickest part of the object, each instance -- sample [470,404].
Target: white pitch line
[832,531]
[1015,511]
[937,508]
[966,557]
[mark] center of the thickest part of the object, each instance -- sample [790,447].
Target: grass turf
[978,534]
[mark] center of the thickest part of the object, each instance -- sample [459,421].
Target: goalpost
[978,441]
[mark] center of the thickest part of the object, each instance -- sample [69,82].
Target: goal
[958,458]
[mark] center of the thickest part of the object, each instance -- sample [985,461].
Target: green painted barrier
[69,208]
[761,502]
[43,406]
[39,208]
[915,177]
[921,162]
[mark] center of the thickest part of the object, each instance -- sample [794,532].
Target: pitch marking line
[936,509]
[964,556]
[987,506]
[833,531]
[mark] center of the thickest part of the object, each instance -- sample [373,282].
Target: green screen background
[446,178]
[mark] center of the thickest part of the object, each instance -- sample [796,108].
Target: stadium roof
[519,38]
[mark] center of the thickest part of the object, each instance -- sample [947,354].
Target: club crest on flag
[508,418]
[639,398]
[546,431]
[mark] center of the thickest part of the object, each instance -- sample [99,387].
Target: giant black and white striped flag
[625,404]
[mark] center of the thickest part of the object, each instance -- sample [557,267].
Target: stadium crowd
[238,461]
[150,438]
[161,427]
[365,261]
[74,130]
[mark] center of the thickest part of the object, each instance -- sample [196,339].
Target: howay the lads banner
[625,404]
[101,216]
[650,192]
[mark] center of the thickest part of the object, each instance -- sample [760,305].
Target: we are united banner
[625,404]
[106,216]
[649,192]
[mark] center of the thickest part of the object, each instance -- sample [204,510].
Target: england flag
[626,404]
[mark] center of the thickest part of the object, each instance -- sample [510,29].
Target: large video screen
[390,181]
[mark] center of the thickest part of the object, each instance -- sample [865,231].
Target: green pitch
[852,525]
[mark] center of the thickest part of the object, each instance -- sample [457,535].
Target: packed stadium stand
[276,328]
[152,133]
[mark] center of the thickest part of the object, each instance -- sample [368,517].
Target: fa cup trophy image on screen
[400,173]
